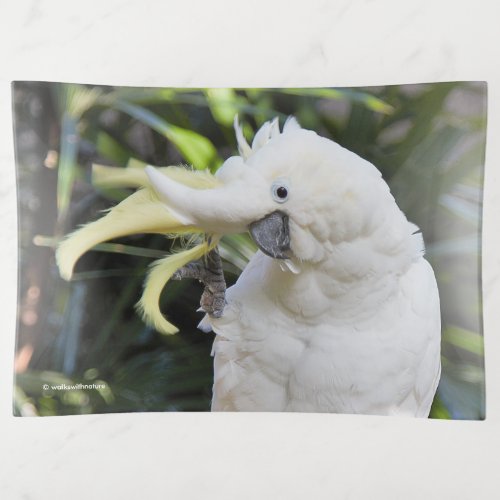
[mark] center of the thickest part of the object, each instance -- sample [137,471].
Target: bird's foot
[209,272]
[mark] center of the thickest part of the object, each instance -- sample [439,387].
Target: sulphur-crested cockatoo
[338,311]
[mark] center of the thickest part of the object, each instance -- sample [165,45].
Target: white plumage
[282,346]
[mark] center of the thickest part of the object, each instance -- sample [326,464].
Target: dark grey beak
[272,235]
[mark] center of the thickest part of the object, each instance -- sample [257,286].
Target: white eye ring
[280,191]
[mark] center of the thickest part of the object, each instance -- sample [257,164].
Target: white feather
[262,136]
[381,358]
[243,147]
[291,123]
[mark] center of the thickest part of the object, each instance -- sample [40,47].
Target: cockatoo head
[297,193]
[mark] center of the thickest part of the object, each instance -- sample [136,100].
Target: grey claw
[209,272]
[213,303]
[218,306]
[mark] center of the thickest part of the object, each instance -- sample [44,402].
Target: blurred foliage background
[427,139]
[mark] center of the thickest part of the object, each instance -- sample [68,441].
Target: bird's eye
[279,191]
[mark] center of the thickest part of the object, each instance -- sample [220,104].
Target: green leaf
[472,159]
[140,95]
[223,104]
[439,410]
[196,149]
[465,339]
[128,250]
[461,208]
[75,100]
[368,100]
[455,246]
[423,110]
[111,149]
[236,250]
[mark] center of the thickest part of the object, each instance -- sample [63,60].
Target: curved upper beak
[272,234]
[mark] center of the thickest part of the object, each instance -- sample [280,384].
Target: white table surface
[259,43]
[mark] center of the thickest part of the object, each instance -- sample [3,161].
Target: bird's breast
[285,344]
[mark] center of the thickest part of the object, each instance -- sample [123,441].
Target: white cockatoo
[338,311]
